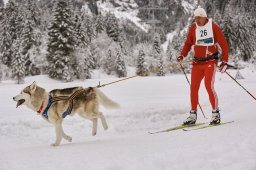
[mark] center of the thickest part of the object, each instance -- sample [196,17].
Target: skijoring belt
[214,56]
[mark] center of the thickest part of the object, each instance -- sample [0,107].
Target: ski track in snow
[147,104]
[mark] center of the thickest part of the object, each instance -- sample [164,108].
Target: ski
[177,128]
[207,126]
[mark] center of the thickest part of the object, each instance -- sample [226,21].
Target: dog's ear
[33,87]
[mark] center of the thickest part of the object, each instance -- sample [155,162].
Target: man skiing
[204,35]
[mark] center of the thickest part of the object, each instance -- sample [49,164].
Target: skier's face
[200,20]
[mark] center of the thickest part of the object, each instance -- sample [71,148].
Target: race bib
[204,34]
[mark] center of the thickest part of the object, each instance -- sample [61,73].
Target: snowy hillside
[147,104]
[126,10]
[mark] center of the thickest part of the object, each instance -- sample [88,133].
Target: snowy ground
[147,104]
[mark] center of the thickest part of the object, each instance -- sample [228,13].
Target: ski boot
[191,120]
[215,117]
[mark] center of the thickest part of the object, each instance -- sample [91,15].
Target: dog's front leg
[58,131]
[94,126]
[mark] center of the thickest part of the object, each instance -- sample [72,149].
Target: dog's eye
[27,92]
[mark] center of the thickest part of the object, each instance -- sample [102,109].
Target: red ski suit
[204,69]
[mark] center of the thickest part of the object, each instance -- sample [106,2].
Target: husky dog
[52,106]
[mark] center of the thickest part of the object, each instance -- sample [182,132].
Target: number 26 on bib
[204,34]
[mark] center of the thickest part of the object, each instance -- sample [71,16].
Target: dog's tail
[104,100]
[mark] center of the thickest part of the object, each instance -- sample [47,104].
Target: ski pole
[240,85]
[183,70]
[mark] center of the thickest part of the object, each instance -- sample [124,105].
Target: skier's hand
[223,67]
[180,58]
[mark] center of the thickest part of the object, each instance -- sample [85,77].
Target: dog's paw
[55,144]
[94,133]
[105,127]
[68,138]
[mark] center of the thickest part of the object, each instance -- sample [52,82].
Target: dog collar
[41,108]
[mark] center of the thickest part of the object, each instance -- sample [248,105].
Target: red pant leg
[210,70]
[197,75]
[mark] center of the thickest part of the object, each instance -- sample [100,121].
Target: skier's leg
[210,71]
[197,75]
[196,78]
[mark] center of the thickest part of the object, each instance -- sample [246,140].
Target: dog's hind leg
[103,121]
[58,131]
[68,138]
[94,126]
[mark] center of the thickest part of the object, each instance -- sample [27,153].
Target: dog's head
[25,96]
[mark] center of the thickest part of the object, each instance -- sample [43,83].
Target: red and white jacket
[200,51]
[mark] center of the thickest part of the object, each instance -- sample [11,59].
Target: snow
[147,104]
[187,6]
[125,14]
[169,37]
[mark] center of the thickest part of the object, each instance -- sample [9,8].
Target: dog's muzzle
[19,102]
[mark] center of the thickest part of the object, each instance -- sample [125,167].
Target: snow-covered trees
[112,27]
[160,67]
[1,9]
[83,64]
[80,41]
[120,65]
[11,31]
[99,24]
[236,18]
[62,61]
[29,34]
[18,63]
[157,56]
[108,62]
[142,67]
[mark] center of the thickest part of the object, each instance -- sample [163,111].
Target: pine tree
[141,68]
[244,38]
[156,45]
[83,60]
[61,43]
[120,65]
[11,31]
[112,27]
[94,55]
[229,32]
[88,27]
[80,32]
[27,42]
[99,24]
[156,51]
[122,43]
[160,68]
[33,11]
[108,64]
[1,10]
[169,52]
[177,43]
[18,67]
[5,46]
[217,18]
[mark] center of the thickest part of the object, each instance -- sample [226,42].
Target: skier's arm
[188,43]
